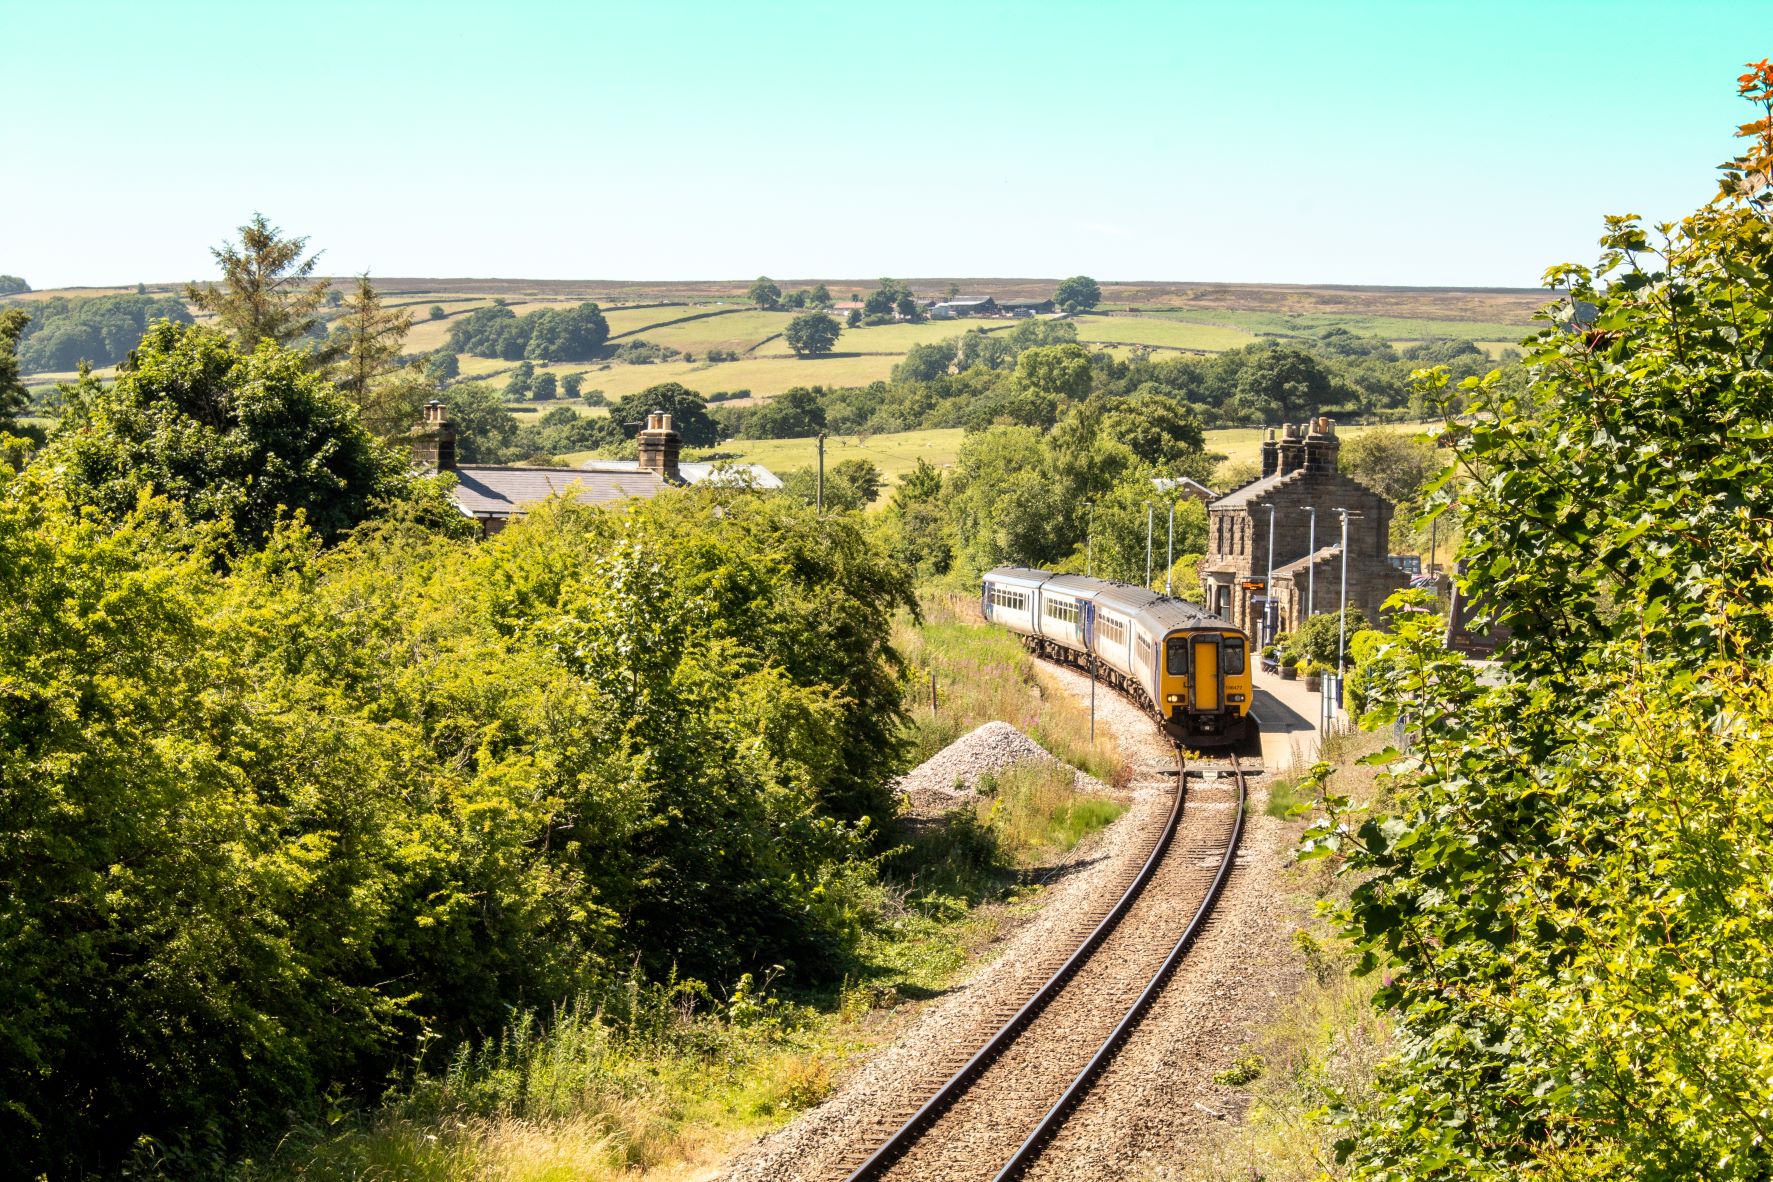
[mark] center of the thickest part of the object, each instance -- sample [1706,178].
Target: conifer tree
[365,346]
[12,391]
[266,291]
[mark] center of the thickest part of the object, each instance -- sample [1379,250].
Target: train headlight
[1234,697]
[1173,699]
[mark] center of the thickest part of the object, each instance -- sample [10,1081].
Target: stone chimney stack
[659,447]
[433,439]
[1270,452]
[1322,446]
[1292,448]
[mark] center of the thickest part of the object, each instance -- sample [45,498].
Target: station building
[1300,483]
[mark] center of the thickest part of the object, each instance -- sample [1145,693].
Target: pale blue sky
[1402,142]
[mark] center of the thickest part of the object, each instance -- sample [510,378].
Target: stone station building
[1299,475]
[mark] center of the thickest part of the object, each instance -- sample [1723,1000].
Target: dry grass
[1150,330]
[982,675]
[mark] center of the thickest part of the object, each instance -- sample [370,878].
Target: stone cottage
[1301,485]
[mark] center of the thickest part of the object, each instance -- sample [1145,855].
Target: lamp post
[1150,519]
[1268,585]
[1170,549]
[1090,540]
[1311,567]
[1342,627]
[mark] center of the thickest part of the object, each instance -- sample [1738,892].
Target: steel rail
[1055,1117]
[908,1133]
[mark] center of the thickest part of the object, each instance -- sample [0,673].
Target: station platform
[1289,714]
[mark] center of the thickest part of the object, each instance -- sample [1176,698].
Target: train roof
[1159,610]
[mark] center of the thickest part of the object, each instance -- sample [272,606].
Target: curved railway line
[997,1111]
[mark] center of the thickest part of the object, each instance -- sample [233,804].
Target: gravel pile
[952,774]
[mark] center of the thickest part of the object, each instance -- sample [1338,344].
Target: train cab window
[1233,649]
[1176,656]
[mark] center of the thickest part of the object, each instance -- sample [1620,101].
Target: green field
[1392,328]
[1161,332]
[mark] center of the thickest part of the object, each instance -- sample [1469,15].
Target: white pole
[1268,585]
[1150,520]
[1170,551]
[1342,628]
[1311,569]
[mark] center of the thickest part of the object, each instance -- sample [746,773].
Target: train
[1183,665]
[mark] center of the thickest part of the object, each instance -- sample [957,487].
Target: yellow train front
[1188,668]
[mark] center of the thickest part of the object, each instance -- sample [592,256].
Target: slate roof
[1298,565]
[486,490]
[694,472]
[1254,491]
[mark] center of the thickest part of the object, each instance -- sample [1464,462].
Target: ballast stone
[953,773]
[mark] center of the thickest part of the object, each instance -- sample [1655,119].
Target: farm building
[1301,483]
[1027,307]
[964,306]
[495,494]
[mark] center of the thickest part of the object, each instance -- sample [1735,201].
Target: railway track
[998,1110]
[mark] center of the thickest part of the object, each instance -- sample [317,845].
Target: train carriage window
[1176,656]
[1005,598]
[1233,648]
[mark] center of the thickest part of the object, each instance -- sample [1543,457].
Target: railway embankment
[1174,1081]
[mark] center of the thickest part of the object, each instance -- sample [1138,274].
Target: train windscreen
[1234,655]
[1176,656]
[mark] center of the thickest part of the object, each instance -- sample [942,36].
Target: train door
[1206,685]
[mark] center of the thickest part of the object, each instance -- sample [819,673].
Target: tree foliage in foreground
[1569,891]
[268,827]
[239,438]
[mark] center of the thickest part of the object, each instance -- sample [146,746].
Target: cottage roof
[697,471]
[1187,484]
[1240,498]
[486,490]
[1299,565]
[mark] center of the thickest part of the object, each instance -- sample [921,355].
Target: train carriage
[1185,666]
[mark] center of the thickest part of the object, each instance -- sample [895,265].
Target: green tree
[812,334]
[1562,881]
[1280,383]
[518,387]
[485,431]
[819,297]
[915,510]
[13,285]
[13,394]
[1059,371]
[573,334]
[853,318]
[689,413]
[571,385]
[267,292]
[793,414]
[544,387]
[1394,464]
[1163,432]
[365,344]
[1078,293]
[443,366]
[764,293]
[925,363]
[437,312]
[239,438]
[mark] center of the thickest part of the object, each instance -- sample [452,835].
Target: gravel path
[1139,1116]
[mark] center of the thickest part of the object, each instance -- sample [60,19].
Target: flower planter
[1288,672]
[1313,682]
